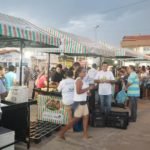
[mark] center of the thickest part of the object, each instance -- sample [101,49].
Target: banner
[50,109]
[11,57]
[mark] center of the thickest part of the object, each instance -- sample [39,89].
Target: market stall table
[16,117]
[50,107]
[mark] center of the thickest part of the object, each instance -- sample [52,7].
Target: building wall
[143,50]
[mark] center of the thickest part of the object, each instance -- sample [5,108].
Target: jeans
[133,108]
[105,103]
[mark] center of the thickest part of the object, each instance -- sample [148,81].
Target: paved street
[137,136]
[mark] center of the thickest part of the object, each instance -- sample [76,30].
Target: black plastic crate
[97,119]
[118,119]
[120,114]
[118,105]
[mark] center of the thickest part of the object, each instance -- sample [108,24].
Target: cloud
[110,30]
[81,17]
[84,25]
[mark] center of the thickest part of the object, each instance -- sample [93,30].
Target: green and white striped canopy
[70,46]
[13,30]
[126,53]
[78,45]
[141,58]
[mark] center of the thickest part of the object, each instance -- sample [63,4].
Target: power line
[124,6]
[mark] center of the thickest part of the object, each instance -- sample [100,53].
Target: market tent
[99,48]
[4,51]
[126,53]
[74,44]
[69,45]
[13,30]
[108,50]
[17,32]
[141,58]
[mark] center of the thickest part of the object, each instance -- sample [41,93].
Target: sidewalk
[137,136]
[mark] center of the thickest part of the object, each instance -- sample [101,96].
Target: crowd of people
[77,83]
[143,75]
[126,77]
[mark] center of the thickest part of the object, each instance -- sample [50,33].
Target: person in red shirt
[41,81]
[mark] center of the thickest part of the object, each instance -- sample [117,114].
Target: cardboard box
[7,137]
[18,94]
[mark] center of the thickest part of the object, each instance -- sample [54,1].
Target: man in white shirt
[92,72]
[105,79]
[66,86]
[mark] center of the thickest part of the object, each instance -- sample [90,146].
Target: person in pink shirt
[41,81]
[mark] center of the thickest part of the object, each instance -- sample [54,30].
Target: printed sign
[53,116]
[50,109]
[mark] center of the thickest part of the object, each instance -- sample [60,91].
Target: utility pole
[96,39]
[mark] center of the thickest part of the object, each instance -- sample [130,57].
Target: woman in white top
[66,86]
[80,103]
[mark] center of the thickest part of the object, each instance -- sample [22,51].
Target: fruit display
[52,87]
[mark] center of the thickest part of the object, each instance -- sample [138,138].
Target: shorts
[81,110]
[67,107]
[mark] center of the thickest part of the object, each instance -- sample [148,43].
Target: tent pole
[48,71]
[21,61]
[101,60]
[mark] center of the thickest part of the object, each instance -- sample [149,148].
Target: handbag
[121,96]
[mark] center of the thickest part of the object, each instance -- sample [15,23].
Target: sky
[82,16]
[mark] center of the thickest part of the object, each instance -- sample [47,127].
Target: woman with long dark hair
[80,104]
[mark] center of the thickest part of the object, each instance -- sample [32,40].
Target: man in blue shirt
[10,77]
[3,91]
[133,92]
